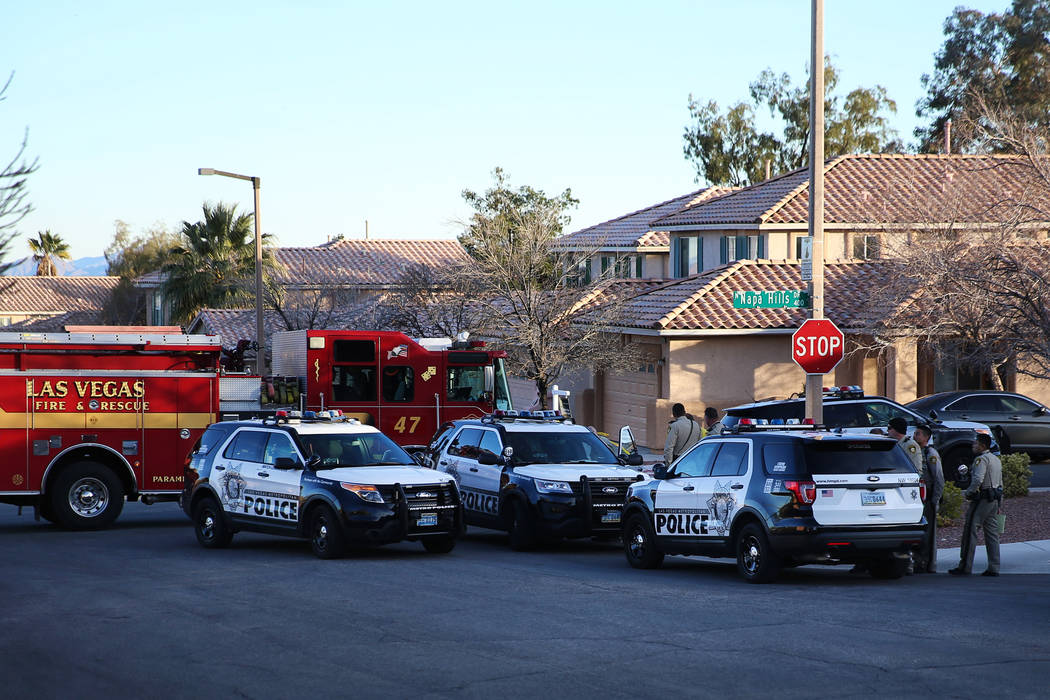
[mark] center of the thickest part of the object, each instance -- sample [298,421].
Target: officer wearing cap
[985,494]
[898,430]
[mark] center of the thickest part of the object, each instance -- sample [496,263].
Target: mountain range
[79,267]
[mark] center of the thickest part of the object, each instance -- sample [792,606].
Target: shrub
[951,505]
[1016,474]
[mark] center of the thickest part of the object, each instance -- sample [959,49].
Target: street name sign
[777,299]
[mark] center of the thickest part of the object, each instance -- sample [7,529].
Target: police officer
[926,558]
[712,426]
[682,433]
[898,430]
[985,494]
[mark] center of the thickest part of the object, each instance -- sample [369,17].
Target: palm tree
[47,248]
[214,264]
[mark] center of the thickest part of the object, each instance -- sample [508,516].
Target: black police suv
[536,475]
[853,411]
[780,497]
[338,484]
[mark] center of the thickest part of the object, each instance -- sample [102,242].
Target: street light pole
[814,382]
[260,340]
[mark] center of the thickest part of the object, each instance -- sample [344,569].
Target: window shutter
[742,251]
[761,246]
[723,250]
[638,266]
[699,254]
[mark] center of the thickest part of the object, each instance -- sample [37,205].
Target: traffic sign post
[817,346]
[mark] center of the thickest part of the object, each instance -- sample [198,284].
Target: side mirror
[286,463]
[487,458]
[933,413]
[1041,411]
[419,458]
[627,444]
[634,460]
[659,470]
[313,462]
[490,379]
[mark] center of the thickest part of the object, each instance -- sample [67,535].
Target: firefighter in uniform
[985,494]
[926,557]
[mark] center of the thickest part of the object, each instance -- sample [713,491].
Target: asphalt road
[142,611]
[1040,475]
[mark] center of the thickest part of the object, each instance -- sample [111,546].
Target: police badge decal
[722,504]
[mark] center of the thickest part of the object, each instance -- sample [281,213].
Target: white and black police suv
[335,482]
[780,497]
[536,475]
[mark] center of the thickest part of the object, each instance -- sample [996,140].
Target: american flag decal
[827,493]
[397,351]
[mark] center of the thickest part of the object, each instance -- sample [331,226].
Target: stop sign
[817,346]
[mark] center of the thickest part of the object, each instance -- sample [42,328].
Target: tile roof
[54,295]
[880,188]
[59,323]
[705,301]
[633,230]
[366,263]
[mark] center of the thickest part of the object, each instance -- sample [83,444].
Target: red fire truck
[89,419]
[404,387]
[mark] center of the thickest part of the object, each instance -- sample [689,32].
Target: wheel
[86,496]
[891,567]
[522,528]
[439,544]
[210,526]
[327,539]
[755,559]
[639,543]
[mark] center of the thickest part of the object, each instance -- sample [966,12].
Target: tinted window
[880,412]
[983,403]
[490,441]
[927,402]
[780,458]
[354,351]
[696,462]
[778,409]
[466,443]
[1016,404]
[466,383]
[353,383]
[398,383]
[559,448]
[442,438]
[247,446]
[845,415]
[279,445]
[731,459]
[211,438]
[347,450]
[860,457]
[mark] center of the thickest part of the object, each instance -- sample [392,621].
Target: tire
[86,496]
[327,539]
[439,544]
[755,559]
[891,567]
[522,528]
[639,543]
[209,524]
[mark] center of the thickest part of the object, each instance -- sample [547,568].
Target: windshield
[926,402]
[559,448]
[343,450]
[502,397]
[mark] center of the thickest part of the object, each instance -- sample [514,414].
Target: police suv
[776,497]
[321,477]
[536,475]
[848,408]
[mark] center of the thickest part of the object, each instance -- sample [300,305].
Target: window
[978,403]
[354,351]
[845,415]
[866,246]
[211,438]
[579,274]
[466,383]
[558,448]
[621,266]
[438,443]
[731,460]
[348,450]
[247,446]
[350,383]
[689,258]
[1015,404]
[799,245]
[735,248]
[879,413]
[279,445]
[466,443]
[779,459]
[697,462]
[398,383]
[490,441]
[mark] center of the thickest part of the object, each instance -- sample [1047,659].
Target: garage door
[627,397]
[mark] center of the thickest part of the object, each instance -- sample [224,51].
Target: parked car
[853,411]
[780,496]
[1021,424]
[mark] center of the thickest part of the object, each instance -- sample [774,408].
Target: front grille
[616,498]
[430,497]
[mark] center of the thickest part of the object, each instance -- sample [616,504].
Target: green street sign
[779,299]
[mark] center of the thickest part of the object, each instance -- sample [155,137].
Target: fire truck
[89,419]
[404,387]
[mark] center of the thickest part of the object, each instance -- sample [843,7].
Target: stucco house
[41,304]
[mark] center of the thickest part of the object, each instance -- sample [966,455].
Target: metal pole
[814,382]
[260,339]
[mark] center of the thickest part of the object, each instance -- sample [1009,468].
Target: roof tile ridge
[727,271]
[804,185]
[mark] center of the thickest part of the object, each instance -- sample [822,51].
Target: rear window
[855,457]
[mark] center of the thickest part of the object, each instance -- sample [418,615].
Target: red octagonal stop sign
[817,346]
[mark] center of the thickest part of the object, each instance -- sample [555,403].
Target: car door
[271,496]
[723,492]
[235,469]
[677,511]
[1026,422]
[480,496]
[283,485]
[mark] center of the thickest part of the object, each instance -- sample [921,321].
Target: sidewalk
[1016,558]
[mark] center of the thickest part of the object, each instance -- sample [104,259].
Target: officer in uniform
[682,433]
[926,557]
[712,426]
[985,494]
[898,430]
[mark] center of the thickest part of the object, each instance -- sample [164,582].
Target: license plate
[427,520]
[613,516]
[872,499]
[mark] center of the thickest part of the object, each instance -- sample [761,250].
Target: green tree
[214,263]
[730,148]
[1001,60]
[129,257]
[47,248]
[13,203]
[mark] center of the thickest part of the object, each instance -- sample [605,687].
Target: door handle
[219,467]
[443,463]
[263,474]
[688,488]
[473,469]
[737,486]
[1015,417]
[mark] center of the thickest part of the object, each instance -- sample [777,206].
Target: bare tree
[431,301]
[13,203]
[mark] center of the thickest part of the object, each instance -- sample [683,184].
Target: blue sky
[387,111]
